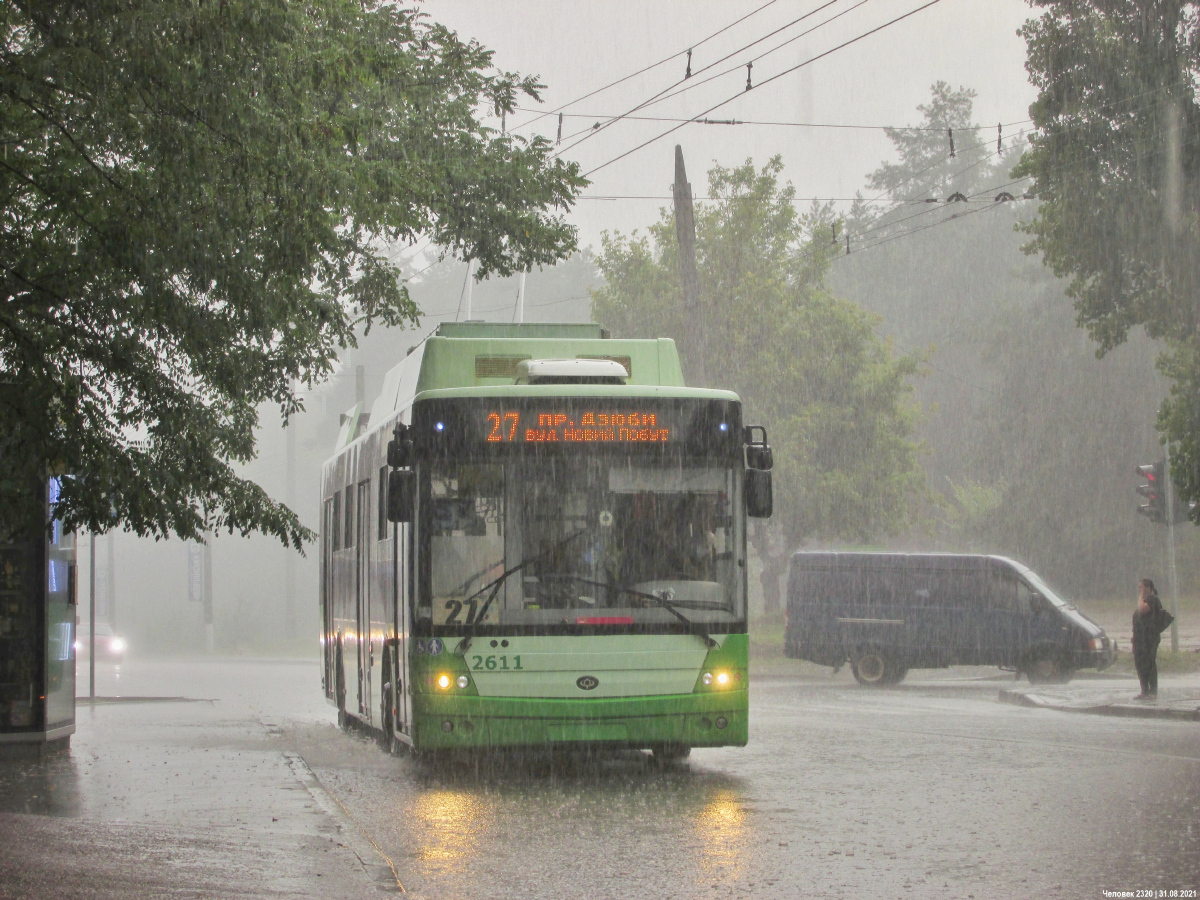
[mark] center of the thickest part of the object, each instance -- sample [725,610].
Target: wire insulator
[950,132]
[688,73]
[999,134]
[558,140]
[749,66]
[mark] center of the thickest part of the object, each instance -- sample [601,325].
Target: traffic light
[1154,490]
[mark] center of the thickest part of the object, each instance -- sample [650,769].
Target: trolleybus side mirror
[402,491]
[758,451]
[399,448]
[758,494]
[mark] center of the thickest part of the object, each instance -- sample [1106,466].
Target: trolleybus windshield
[596,537]
[616,535]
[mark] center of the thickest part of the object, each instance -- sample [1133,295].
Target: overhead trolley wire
[655,98]
[689,86]
[775,77]
[665,59]
[699,121]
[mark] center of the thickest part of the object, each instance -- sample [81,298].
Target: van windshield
[1046,591]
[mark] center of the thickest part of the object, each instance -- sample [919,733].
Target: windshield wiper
[695,628]
[495,585]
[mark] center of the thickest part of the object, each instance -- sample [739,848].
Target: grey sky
[579,46]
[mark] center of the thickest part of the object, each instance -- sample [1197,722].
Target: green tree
[1032,440]
[197,202]
[1116,165]
[835,398]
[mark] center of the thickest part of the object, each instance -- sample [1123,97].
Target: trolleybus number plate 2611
[494,663]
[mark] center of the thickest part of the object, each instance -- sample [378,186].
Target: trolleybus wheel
[896,673]
[669,755]
[870,667]
[340,693]
[387,704]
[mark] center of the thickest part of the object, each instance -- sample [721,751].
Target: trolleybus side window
[335,538]
[348,528]
[383,522]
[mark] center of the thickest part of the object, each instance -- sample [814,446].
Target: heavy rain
[683,450]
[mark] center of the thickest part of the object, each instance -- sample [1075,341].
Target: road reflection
[721,828]
[449,824]
[614,813]
[39,787]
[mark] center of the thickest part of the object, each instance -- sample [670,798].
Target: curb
[1020,698]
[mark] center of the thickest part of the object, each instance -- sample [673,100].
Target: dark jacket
[1145,625]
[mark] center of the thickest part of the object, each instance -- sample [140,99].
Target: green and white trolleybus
[537,536]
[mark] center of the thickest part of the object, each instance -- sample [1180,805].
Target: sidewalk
[1178,697]
[181,786]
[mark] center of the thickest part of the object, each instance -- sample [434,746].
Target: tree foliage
[833,395]
[1031,440]
[1116,163]
[197,195]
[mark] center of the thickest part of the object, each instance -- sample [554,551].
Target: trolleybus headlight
[462,681]
[706,679]
[443,681]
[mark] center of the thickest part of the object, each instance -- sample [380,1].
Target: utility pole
[470,288]
[521,299]
[111,580]
[289,571]
[92,618]
[1171,557]
[1173,202]
[685,231]
[208,596]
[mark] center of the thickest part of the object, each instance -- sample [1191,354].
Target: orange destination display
[581,426]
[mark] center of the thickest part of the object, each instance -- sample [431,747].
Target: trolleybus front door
[362,579]
[401,560]
[327,629]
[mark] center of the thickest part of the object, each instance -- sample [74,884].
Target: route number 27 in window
[504,428]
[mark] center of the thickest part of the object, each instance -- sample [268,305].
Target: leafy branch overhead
[197,197]
[1116,165]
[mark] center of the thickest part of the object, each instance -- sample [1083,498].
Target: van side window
[1002,592]
[1024,599]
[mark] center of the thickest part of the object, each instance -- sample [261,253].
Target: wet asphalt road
[934,789]
[930,789]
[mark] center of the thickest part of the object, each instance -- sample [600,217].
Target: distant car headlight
[117,645]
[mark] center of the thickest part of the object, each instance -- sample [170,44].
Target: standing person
[1146,630]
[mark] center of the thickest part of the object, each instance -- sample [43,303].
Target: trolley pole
[1171,556]
[685,231]
[92,617]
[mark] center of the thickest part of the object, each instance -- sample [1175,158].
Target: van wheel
[1048,668]
[896,673]
[870,668]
